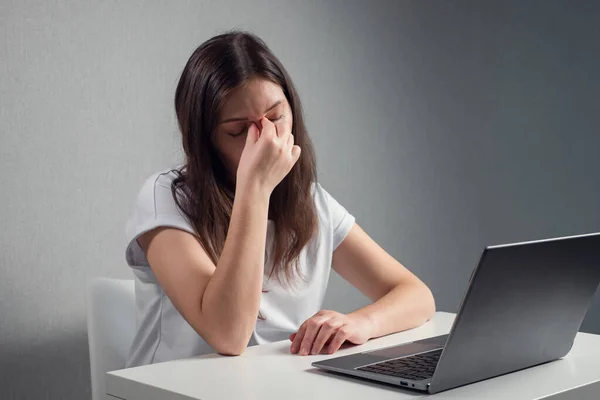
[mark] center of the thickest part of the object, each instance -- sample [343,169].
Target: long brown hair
[216,67]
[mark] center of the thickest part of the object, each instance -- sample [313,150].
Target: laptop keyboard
[417,367]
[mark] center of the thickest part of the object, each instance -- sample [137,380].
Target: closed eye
[240,133]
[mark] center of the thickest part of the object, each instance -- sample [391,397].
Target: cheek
[237,147]
[230,149]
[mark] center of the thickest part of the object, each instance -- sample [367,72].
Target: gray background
[442,126]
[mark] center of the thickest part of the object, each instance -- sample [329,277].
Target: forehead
[252,98]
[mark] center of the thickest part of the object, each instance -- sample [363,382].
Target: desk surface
[271,372]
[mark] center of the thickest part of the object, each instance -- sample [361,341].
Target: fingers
[281,132]
[289,140]
[295,347]
[296,153]
[312,329]
[297,337]
[253,134]
[268,128]
[288,144]
[303,341]
[340,337]
[328,329]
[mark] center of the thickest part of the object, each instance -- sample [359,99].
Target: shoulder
[324,201]
[154,206]
[332,215]
[154,200]
[320,197]
[157,182]
[155,193]
[327,206]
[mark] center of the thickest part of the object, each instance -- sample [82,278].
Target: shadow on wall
[53,368]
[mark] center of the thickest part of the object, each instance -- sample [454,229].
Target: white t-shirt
[163,334]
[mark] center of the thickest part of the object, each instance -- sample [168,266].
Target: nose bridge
[255,121]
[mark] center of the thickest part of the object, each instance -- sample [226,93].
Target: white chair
[111,327]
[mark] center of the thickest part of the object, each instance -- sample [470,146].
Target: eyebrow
[245,119]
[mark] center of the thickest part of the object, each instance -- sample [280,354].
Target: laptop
[523,307]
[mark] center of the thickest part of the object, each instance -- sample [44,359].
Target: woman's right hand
[268,156]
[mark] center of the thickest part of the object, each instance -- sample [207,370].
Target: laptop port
[403,383]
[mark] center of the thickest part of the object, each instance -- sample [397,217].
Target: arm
[401,300]
[220,302]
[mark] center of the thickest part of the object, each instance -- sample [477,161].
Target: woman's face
[246,105]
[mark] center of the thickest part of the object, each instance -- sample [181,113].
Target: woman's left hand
[328,330]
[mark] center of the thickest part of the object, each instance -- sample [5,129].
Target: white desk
[271,372]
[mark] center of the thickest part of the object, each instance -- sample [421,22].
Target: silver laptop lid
[524,305]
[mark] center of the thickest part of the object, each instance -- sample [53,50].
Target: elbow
[231,352]
[230,349]
[230,346]
[224,337]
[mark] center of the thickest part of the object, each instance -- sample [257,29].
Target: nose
[257,122]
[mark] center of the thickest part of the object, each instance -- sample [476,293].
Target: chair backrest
[111,327]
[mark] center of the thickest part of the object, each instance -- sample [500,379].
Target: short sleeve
[341,220]
[154,207]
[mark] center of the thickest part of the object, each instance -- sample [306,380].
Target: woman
[234,248]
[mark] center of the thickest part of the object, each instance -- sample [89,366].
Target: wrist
[368,321]
[252,193]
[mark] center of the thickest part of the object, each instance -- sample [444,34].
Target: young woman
[234,248]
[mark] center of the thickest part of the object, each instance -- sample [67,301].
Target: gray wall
[443,126]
